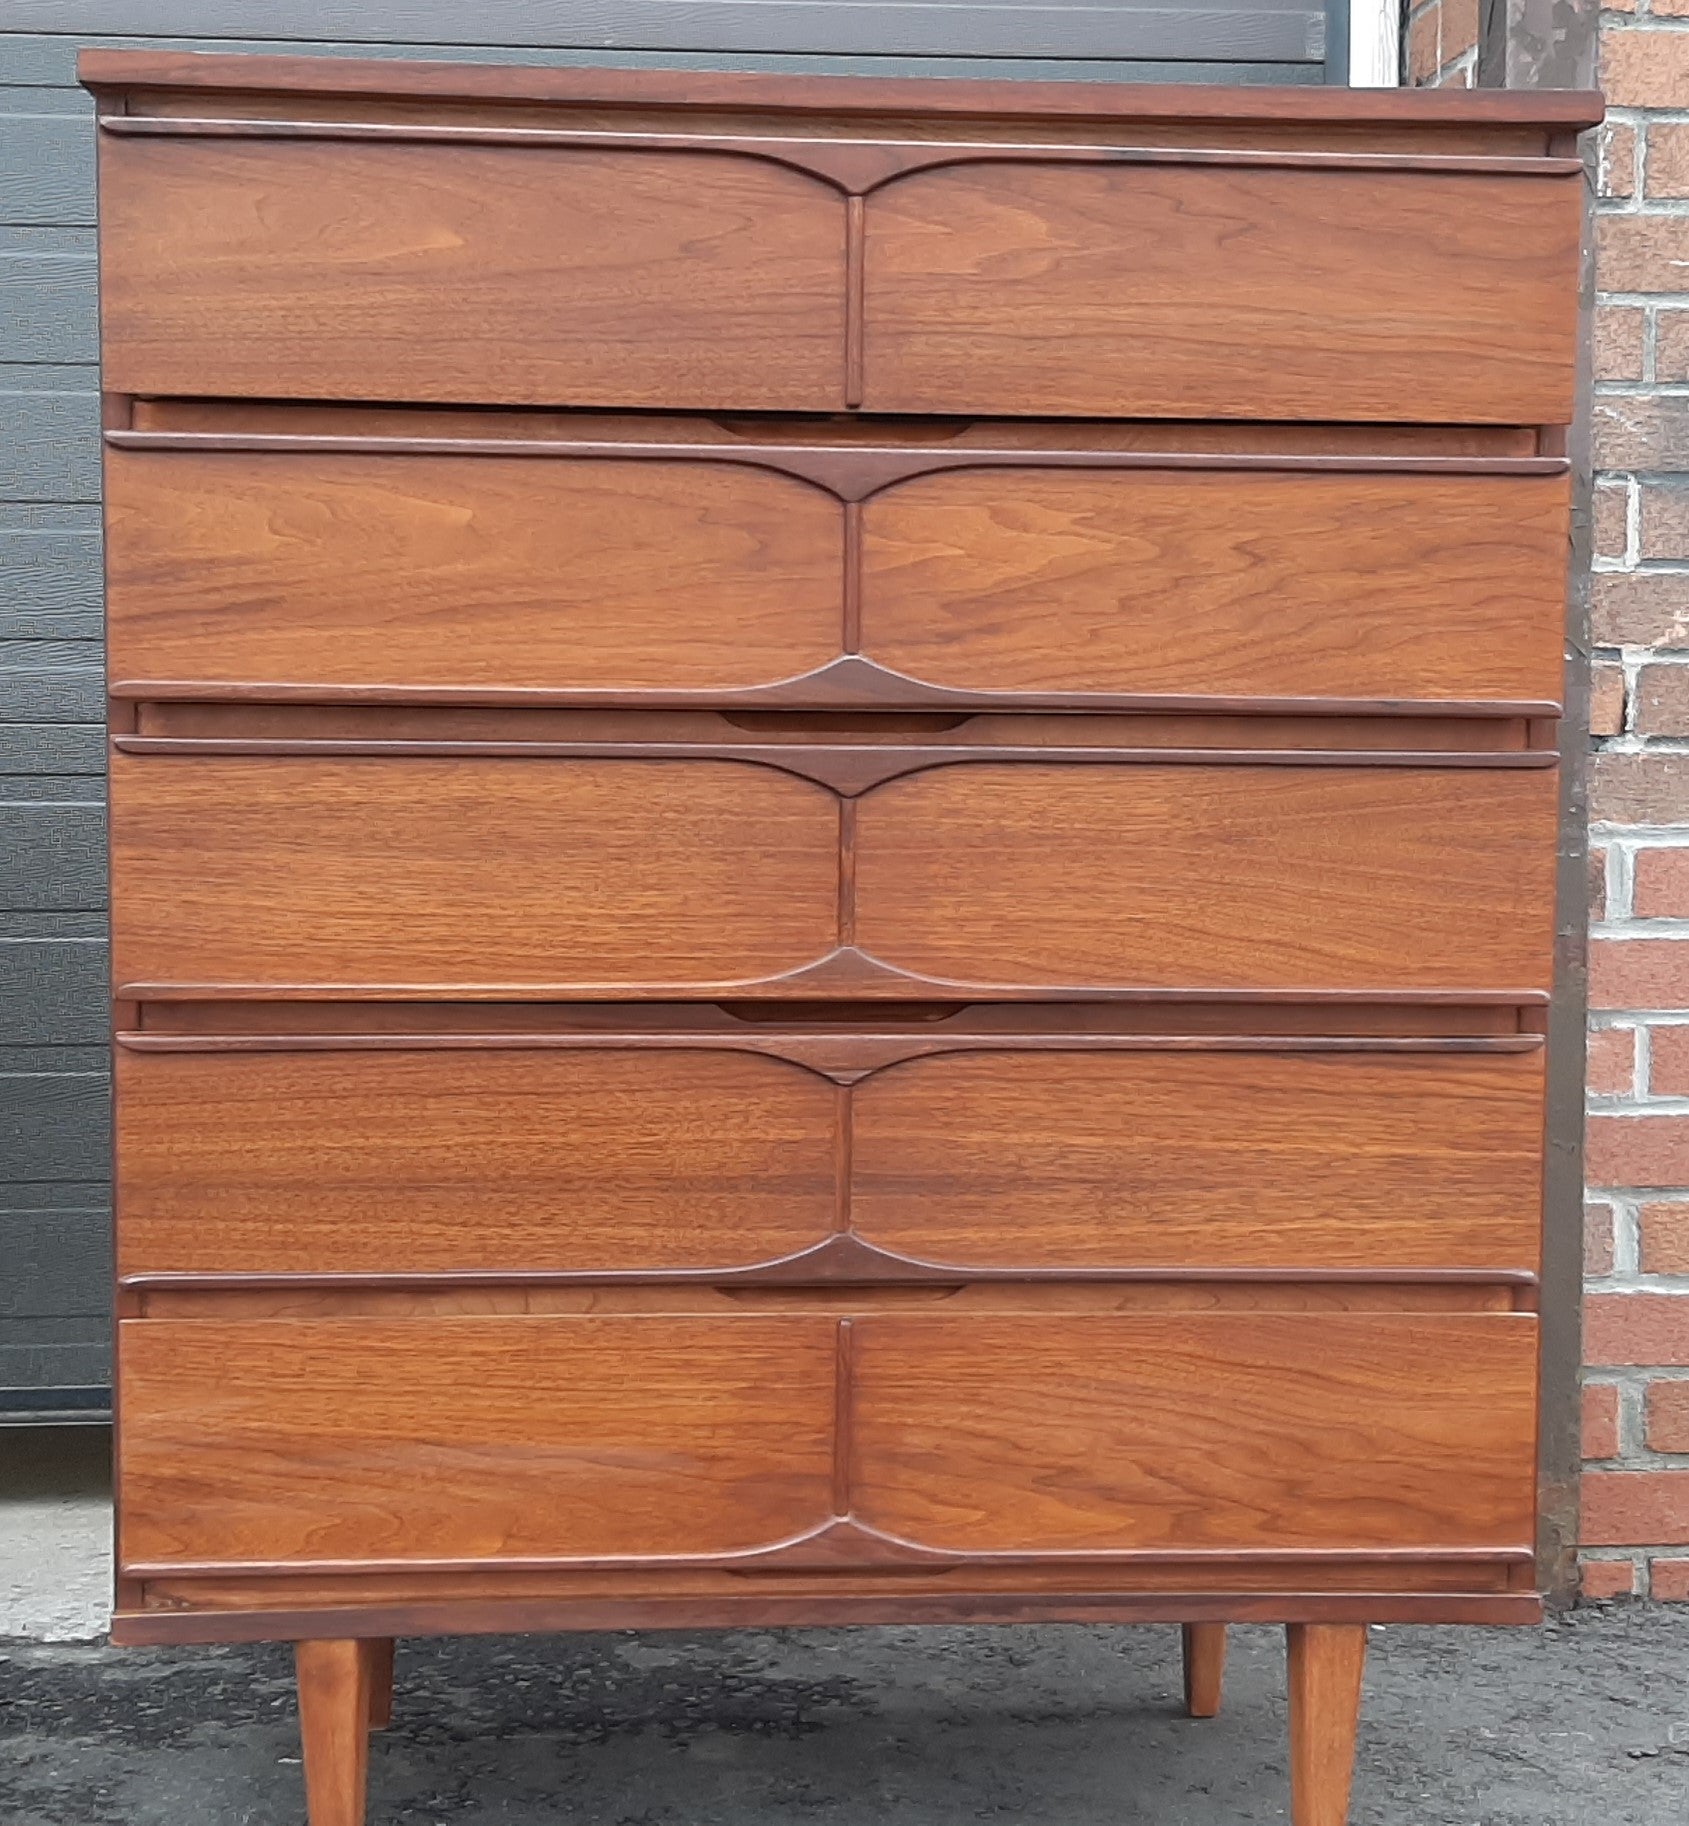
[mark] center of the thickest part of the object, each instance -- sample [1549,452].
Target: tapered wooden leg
[1205,1667]
[380,1653]
[334,1724]
[1326,1662]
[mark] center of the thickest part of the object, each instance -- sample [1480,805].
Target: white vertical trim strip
[1375,44]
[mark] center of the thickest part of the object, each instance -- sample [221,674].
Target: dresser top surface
[764,92]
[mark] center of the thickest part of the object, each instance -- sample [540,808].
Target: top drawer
[313,261]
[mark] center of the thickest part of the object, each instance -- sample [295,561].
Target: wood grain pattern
[1202,1160]
[749,1604]
[380,1653]
[1326,1663]
[326,1294]
[1154,1577]
[472,1439]
[313,270]
[1204,1650]
[1210,878]
[1209,293]
[435,571]
[1016,579]
[430,874]
[336,1691]
[229,79]
[448,1162]
[686,1159]
[1242,1431]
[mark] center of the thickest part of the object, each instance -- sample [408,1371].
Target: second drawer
[532,1158]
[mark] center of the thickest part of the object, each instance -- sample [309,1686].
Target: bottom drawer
[564,1438]
[1168,1432]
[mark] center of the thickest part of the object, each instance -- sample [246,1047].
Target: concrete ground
[1586,1720]
[55,1533]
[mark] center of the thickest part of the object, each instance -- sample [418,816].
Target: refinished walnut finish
[833,812]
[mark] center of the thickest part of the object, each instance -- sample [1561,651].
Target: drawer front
[481,877]
[418,572]
[696,280]
[1198,291]
[1202,1160]
[466,572]
[486,1439]
[613,1160]
[299,269]
[426,876]
[1178,1433]
[1225,878]
[541,1437]
[1060,580]
[462,1160]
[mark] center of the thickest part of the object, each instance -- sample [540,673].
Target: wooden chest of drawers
[833,812]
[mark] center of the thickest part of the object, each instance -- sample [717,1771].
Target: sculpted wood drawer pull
[833,812]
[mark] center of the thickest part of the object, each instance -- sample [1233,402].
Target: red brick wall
[1440,44]
[1636,1310]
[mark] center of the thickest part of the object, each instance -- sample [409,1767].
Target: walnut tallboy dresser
[833,824]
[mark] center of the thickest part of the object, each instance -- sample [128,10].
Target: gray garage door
[54,1201]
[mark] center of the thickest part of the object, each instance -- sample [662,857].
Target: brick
[1668,1062]
[1648,430]
[1600,1420]
[1644,69]
[1597,1237]
[1618,160]
[1640,609]
[1422,37]
[1663,530]
[1602,1580]
[1619,6]
[1625,1330]
[1597,884]
[1662,700]
[1635,1508]
[1612,518]
[1666,173]
[1642,253]
[1610,1070]
[1628,1150]
[1639,974]
[1665,1237]
[1660,888]
[1606,698]
[1460,29]
[1669,1581]
[1666,1417]
[1618,341]
[1671,345]
[1639,789]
